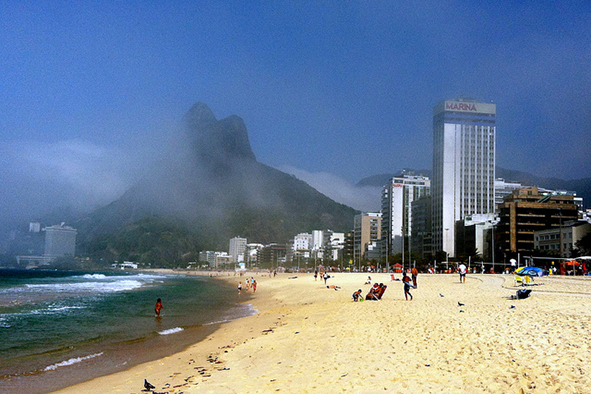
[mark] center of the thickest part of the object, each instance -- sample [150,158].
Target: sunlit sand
[308,338]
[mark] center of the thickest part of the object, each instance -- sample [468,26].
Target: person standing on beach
[325,277]
[239,287]
[414,272]
[254,285]
[315,275]
[406,280]
[158,307]
[462,271]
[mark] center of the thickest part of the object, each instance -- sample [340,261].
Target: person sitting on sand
[372,295]
[158,307]
[407,285]
[357,295]
[381,290]
[368,281]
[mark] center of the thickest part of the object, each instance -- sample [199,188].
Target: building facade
[237,249]
[504,189]
[60,241]
[476,234]
[463,184]
[561,240]
[273,256]
[252,254]
[526,211]
[421,228]
[397,198]
[367,229]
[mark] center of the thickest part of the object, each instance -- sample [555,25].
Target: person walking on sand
[254,285]
[239,287]
[325,277]
[158,307]
[407,285]
[414,273]
[315,275]
[462,271]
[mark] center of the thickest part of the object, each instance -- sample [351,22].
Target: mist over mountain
[581,186]
[212,186]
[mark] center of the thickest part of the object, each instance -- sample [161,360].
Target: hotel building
[60,241]
[463,184]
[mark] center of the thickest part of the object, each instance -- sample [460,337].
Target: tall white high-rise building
[237,249]
[397,197]
[464,141]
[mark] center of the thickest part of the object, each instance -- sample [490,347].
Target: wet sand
[307,338]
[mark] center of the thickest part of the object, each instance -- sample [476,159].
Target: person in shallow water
[158,307]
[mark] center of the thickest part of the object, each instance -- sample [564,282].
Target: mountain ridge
[217,190]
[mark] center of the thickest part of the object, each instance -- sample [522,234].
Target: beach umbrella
[530,271]
[572,262]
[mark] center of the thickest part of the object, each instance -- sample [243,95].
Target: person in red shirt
[158,307]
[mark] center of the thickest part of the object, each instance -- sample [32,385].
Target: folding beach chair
[523,280]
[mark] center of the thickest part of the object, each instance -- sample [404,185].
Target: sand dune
[307,338]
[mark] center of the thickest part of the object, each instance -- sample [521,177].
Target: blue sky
[91,91]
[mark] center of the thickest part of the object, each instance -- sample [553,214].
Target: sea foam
[87,287]
[95,276]
[170,331]
[71,361]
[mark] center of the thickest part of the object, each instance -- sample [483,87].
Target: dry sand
[307,338]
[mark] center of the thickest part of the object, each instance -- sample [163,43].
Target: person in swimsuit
[158,307]
[407,285]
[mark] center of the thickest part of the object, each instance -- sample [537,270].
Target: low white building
[561,240]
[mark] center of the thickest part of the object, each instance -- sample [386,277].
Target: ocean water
[58,328]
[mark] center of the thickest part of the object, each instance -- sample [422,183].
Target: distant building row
[60,241]
[463,208]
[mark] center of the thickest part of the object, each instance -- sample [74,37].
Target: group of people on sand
[376,292]
[249,284]
[323,276]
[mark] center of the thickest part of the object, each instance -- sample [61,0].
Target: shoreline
[306,338]
[141,338]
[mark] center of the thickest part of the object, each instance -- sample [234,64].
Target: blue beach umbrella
[530,271]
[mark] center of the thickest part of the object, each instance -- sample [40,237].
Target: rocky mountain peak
[219,145]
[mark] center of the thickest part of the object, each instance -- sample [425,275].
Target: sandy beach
[307,338]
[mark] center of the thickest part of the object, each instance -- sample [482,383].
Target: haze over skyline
[92,92]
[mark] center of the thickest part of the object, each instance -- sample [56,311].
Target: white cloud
[361,198]
[40,177]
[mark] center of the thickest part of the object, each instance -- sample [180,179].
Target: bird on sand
[460,304]
[148,385]
[441,295]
